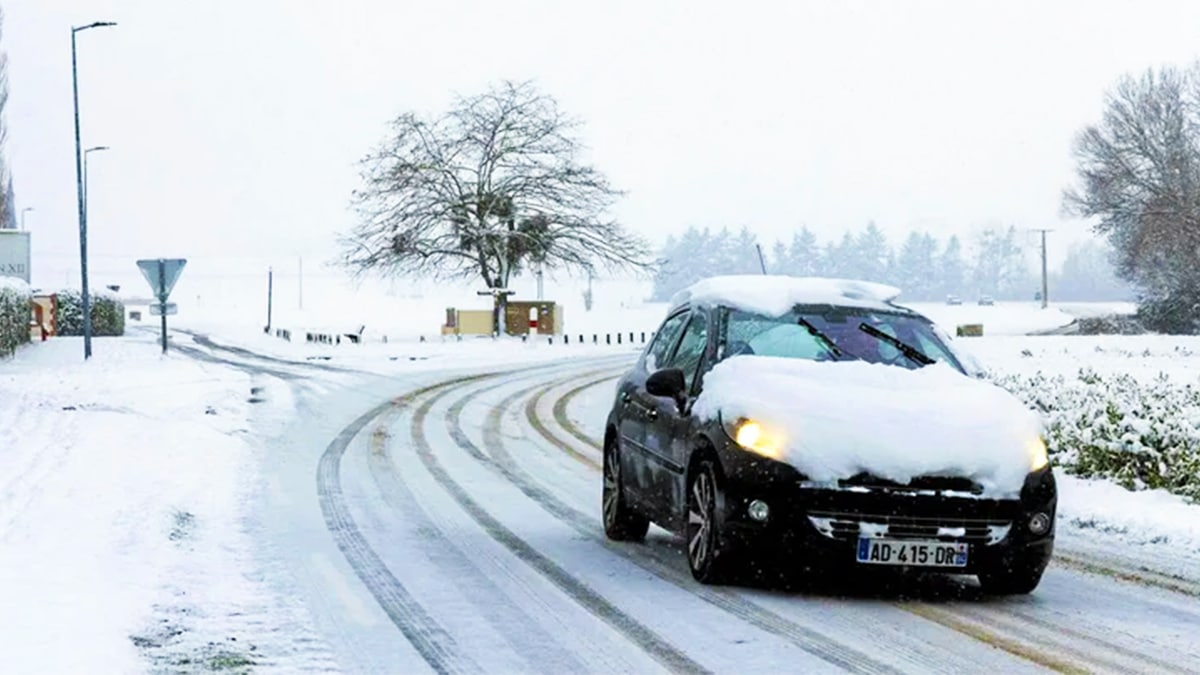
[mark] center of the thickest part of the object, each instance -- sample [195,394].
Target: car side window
[663,341]
[691,349]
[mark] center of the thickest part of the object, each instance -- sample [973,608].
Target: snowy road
[455,527]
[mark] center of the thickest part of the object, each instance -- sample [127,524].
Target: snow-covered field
[159,513]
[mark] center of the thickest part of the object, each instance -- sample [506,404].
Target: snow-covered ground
[159,512]
[121,497]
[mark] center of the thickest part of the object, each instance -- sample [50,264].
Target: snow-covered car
[815,423]
[986,301]
[953,300]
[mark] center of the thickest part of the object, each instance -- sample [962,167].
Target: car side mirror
[668,383]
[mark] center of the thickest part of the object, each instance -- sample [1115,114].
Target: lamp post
[85,300]
[97,148]
[25,210]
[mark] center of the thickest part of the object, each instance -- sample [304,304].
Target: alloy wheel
[701,510]
[612,485]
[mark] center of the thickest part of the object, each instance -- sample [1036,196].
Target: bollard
[566,339]
[550,340]
[595,339]
[580,338]
[643,337]
[631,338]
[618,338]
[608,338]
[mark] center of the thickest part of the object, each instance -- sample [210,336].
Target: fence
[630,338]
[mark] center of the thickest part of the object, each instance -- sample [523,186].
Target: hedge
[108,315]
[15,311]
[1143,435]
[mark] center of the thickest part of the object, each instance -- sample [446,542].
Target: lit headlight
[1038,457]
[756,438]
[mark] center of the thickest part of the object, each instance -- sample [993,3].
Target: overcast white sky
[235,124]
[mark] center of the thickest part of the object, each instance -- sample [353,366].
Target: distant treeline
[999,263]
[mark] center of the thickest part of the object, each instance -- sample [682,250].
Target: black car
[734,501]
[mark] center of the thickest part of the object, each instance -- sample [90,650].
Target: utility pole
[270,293]
[85,297]
[762,263]
[1045,285]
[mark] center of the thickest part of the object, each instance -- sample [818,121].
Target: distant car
[763,422]
[953,300]
[986,300]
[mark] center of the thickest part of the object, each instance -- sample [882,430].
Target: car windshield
[837,334]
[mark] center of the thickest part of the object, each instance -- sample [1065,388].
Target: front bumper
[819,527]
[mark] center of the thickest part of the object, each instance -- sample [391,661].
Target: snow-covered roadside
[1102,509]
[122,480]
[1110,395]
[411,356]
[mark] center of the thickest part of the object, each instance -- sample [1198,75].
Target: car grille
[851,526]
[918,484]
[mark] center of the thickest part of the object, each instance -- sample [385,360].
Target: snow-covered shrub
[108,314]
[1139,434]
[15,311]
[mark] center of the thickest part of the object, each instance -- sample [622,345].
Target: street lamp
[25,210]
[85,299]
[97,148]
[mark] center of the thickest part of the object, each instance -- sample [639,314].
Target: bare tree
[490,188]
[1139,177]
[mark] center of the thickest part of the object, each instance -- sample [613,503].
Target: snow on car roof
[775,295]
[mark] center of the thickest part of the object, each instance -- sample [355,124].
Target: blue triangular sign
[162,273]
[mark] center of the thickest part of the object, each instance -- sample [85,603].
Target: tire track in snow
[667,654]
[807,640]
[432,642]
[1006,628]
[486,597]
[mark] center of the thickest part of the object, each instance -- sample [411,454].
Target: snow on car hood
[844,418]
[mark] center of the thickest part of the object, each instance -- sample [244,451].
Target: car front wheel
[710,559]
[621,523]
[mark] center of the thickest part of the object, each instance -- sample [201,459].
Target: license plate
[915,553]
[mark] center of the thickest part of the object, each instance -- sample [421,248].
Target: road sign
[162,273]
[14,254]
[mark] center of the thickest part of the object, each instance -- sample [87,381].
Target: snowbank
[843,418]
[774,295]
[1003,318]
[121,480]
[15,284]
[1140,518]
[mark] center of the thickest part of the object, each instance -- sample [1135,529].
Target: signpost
[162,273]
[14,254]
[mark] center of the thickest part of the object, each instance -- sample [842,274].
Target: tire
[621,523]
[1015,580]
[709,557]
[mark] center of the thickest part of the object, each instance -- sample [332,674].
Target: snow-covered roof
[775,295]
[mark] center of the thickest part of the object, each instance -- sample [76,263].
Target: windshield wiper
[825,340]
[906,349]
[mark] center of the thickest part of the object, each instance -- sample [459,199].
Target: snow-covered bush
[1141,434]
[14,315]
[108,314]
